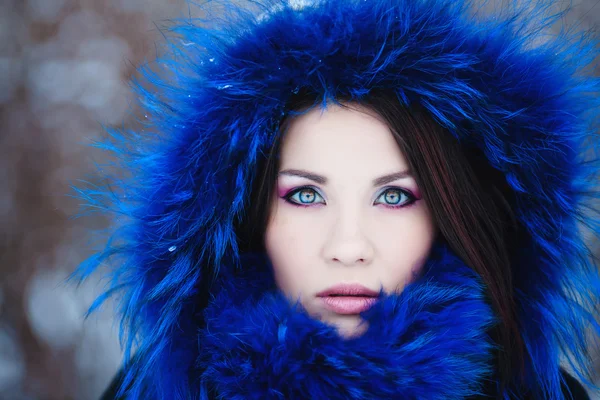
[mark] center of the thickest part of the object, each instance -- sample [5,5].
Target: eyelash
[411,198]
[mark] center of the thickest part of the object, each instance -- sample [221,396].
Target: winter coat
[571,389]
[206,320]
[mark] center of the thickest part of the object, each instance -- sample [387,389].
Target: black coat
[573,390]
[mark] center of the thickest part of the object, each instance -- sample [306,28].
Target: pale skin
[360,217]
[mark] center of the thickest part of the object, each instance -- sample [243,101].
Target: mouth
[348,299]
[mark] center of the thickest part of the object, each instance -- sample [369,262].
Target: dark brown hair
[469,200]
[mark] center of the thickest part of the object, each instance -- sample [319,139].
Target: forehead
[355,138]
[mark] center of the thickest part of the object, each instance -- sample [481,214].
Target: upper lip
[348,289]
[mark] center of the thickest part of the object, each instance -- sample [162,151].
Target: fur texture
[429,342]
[524,98]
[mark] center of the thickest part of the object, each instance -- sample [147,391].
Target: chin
[350,327]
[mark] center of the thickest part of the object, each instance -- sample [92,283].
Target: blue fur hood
[212,106]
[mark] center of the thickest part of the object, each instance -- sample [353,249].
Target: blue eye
[391,197]
[304,196]
[394,197]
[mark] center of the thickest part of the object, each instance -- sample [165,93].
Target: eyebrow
[382,180]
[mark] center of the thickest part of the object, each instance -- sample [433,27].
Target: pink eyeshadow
[283,190]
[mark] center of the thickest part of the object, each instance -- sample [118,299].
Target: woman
[360,200]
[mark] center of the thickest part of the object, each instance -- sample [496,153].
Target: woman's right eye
[304,197]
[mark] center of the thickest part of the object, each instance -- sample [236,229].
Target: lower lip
[348,304]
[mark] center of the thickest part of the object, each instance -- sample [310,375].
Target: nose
[348,244]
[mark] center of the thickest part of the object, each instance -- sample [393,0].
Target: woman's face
[347,217]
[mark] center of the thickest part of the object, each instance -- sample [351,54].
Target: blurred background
[64,72]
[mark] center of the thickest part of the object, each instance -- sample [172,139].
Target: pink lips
[348,298]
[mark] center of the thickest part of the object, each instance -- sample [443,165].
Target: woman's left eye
[395,198]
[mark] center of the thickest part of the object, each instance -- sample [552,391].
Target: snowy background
[64,68]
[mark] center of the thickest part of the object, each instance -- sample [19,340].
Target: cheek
[404,246]
[291,248]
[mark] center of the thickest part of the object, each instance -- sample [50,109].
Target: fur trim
[430,342]
[499,82]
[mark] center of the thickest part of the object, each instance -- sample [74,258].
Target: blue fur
[525,98]
[428,342]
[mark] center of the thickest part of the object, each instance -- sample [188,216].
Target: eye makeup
[410,189]
[411,198]
[286,190]
[287,193]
